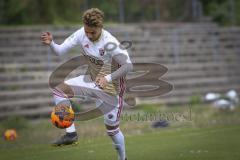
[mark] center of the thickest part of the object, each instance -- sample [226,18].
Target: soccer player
[105,78]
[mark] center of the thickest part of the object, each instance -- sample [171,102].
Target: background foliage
[14,12]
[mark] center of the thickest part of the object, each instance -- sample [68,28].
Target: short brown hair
[93,17]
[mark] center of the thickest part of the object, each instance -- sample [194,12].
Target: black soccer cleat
[67,139]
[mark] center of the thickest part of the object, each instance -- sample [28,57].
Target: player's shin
[118,142]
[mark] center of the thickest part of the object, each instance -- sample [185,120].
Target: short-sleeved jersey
[100,57]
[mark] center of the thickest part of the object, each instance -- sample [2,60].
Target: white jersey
[100,56]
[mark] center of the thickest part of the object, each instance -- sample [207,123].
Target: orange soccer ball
[62,116]
[10,134]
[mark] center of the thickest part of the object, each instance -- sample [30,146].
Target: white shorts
[111,106]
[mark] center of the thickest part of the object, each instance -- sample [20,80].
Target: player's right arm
[63,48]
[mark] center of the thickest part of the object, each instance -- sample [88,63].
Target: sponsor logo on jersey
[101,51]
[86,45]
[93,60]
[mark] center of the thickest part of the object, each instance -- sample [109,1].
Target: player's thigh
[82,80]
[112,118]
[69,87]
[83,86]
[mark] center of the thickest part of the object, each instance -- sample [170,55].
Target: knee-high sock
[57,100]
[118,142]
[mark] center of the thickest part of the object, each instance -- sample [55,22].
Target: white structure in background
[233,96]
[228,101]
[223,104]
[210,97]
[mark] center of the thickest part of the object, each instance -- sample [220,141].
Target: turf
[210,135]
[218,142]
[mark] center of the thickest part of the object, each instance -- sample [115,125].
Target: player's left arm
[126,65]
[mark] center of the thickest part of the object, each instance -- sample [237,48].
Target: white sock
[71,129]
[58,100]
[119,144]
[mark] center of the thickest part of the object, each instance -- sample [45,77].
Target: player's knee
[58,99]
[111,119]
[61,100]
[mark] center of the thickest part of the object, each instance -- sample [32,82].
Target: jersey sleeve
[71,42]
[123,70]
[121,56]
[119,50]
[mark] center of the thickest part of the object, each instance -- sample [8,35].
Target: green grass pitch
[197,140]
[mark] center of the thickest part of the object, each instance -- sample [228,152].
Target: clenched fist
[46,38]
[101,82]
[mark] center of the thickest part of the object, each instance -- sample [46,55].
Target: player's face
[93,33]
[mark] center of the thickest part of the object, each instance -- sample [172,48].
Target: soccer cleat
[67,139]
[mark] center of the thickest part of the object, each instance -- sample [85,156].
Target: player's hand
[101,82]
[47,38]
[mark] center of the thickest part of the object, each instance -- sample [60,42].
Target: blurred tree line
[224,12]
[14,12]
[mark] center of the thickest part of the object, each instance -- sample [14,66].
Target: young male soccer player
[107,70]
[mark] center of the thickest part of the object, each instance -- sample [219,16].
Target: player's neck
[99,37]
